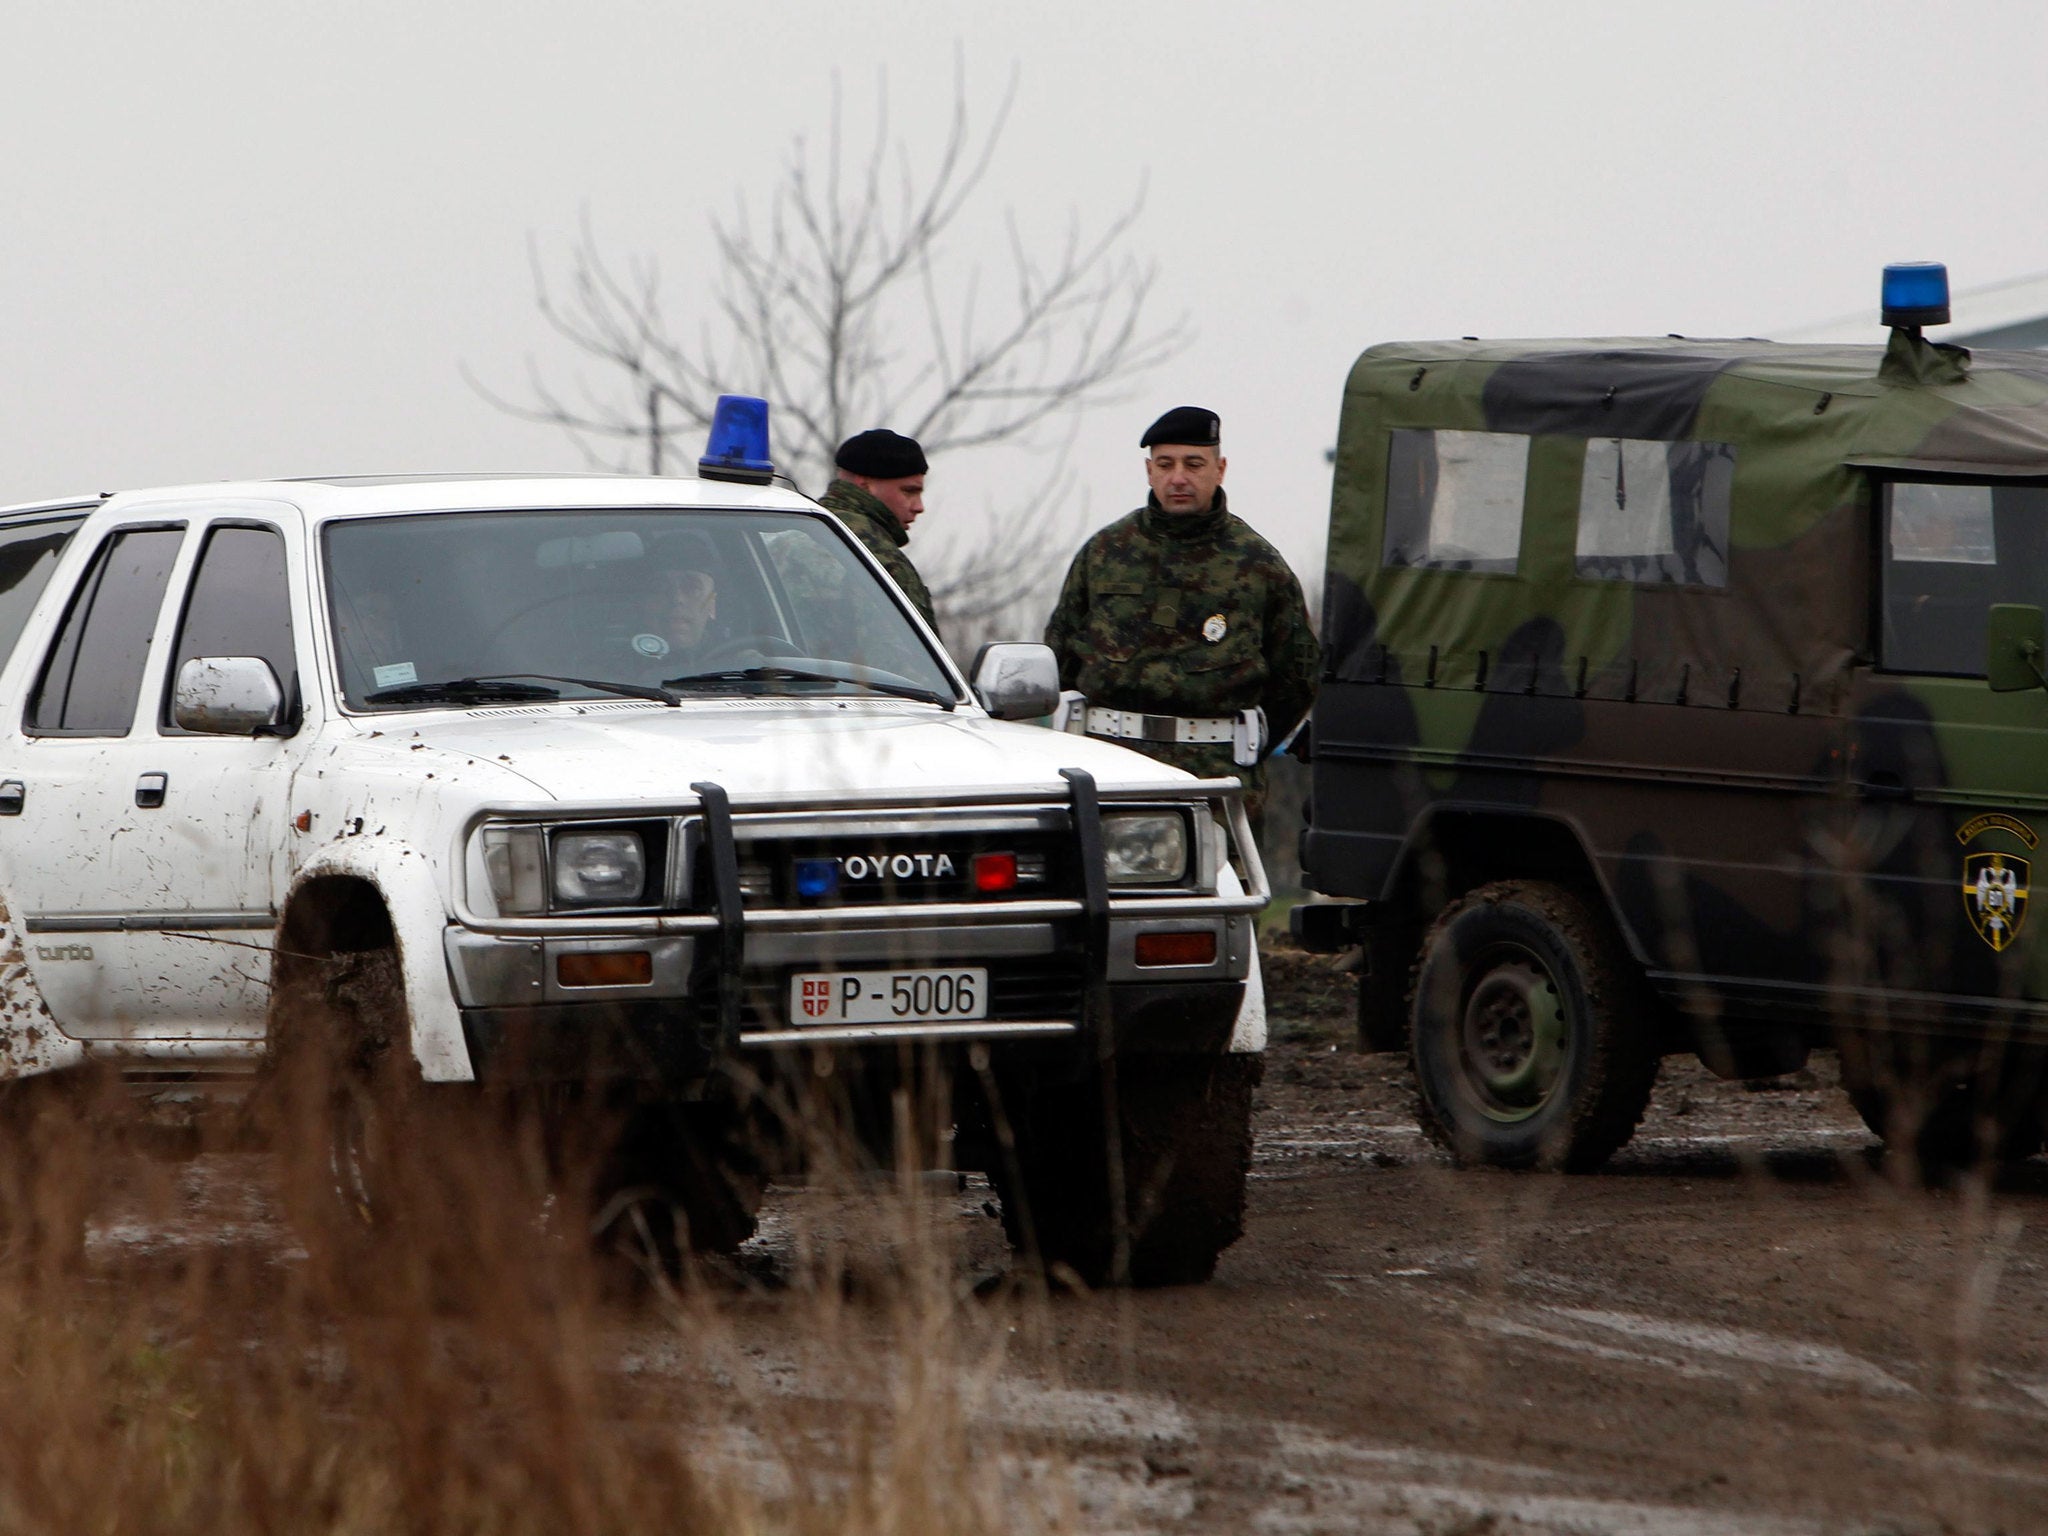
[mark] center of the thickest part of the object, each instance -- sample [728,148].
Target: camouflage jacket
[876,526]
[1186,614]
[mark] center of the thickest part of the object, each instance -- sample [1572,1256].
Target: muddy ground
[1741,1325]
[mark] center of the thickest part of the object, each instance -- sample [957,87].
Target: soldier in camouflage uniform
[879,493]
[1177,618]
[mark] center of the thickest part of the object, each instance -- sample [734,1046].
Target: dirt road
[1741,1325]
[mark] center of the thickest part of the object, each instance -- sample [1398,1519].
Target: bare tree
[847,304]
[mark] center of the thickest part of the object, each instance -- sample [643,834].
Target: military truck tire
[1184,1129]
[1946,1106]
[1531,1041]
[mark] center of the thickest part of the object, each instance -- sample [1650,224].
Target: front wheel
[1532,1041]
[681,1178]
[1159,1204]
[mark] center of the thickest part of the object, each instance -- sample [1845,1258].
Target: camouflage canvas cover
[1648,594]
[1811,419]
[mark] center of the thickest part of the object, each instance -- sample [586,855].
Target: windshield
[508,606]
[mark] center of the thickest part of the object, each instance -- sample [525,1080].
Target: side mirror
[2015,652]
[227,696]
[1016,681]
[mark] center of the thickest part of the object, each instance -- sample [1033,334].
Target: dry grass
[466,1375]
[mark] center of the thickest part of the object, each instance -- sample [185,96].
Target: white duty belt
[1133,725]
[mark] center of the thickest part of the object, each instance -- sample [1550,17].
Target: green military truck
[1686,695]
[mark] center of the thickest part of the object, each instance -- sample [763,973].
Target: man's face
[689,602]
[1184,476]
[905,497]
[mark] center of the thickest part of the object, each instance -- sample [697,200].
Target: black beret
[881,455]
[1188,424]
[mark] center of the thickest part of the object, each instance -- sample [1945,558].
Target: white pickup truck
[653,784]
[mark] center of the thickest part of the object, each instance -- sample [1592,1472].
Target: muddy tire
[683,1178]
[1533,1044]
[349,1102]
[1942,1105]
[1183,1128]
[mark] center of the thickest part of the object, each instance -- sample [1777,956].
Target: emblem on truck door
[1995,893]
[1995,884]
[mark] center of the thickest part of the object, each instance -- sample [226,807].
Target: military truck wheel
[1184,1136]
[1947,1105]
[1531,1044]
[683,1178]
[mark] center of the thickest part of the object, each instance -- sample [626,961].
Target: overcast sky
[264,238]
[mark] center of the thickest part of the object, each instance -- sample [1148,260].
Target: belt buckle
[1159,728]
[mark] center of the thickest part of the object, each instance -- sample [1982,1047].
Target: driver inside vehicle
[678,616]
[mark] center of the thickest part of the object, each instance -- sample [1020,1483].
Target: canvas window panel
[1455,499]
[1655,512]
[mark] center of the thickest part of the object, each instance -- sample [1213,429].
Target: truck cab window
[238,605]
[1951,550]
[28,553]
[93,674]
[1454,499]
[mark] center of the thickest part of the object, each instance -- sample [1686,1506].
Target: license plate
[887,997]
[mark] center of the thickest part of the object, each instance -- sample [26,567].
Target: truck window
[93,673]
[28,553]
[1454,499]
[1951,550]
[633,595]
[238,605]
[1655,511]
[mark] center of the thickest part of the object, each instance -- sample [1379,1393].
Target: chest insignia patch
[1214,628]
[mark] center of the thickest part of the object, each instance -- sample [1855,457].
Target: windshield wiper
[626,690]
[504,686]
[803,675]
[461,688]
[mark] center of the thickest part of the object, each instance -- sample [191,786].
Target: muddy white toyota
[654,790]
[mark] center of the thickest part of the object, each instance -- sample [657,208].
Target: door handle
[149,790]
[1886,786]
[13,795]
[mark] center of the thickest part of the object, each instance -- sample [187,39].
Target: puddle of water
[1509,1328]
[1823,1360]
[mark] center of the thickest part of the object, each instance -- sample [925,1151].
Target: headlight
[1149,848]
[599,869]
[517,866]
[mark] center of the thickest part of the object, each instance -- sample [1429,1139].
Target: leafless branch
[848,300]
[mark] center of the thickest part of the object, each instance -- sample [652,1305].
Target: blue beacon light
[738,448]
[1915,294]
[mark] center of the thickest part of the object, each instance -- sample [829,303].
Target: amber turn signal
[607,968]
[1177,948]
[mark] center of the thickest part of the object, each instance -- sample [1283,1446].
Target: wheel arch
[1452,849]
[370,899]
